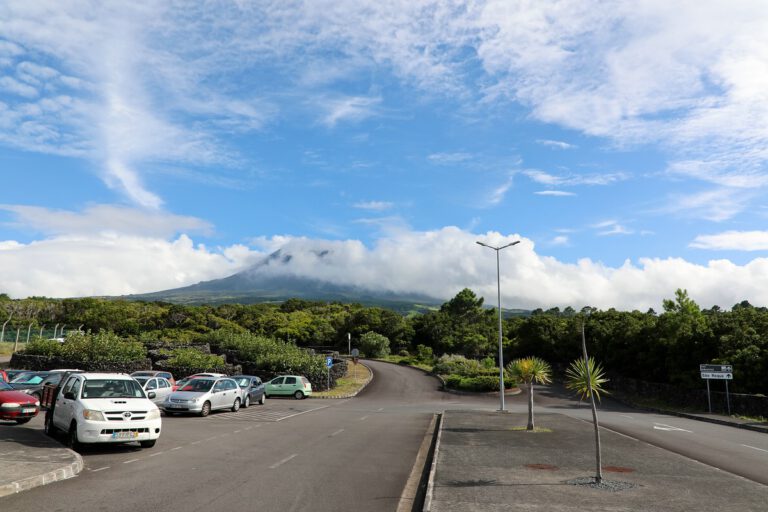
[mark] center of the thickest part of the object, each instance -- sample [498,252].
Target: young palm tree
[528,370]
[586,377]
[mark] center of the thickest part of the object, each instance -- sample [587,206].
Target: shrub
[373,344]
[481,383]
[425,354]
[457,364]
[104,346]
[192,358]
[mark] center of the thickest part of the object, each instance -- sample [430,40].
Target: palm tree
[528,370]
[586,377]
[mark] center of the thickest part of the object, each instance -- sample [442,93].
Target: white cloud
[557,144]
[716,205]
[559,241]
[733,241]
[449,158]
[571,180]
[353,109]
[436,263]
[498,194]
[555,193]
[104,218]
[377,206]
[611,227]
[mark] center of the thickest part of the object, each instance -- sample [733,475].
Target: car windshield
[243,382]
[198,385]
[112,388]
[29,378]
[5,387]
[142,374]
[141,380]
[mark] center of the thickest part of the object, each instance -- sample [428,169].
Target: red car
[17,406]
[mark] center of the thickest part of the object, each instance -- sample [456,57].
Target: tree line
[662,347]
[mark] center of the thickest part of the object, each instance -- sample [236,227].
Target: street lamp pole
[498,294]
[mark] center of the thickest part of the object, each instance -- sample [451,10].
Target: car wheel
[263,399]
[298,395]
[49,427]
[148,444]
[72,442]
[247,402]
[22,421]
[236,405]
[206,410]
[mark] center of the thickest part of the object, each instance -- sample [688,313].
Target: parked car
[12,373]
[155,373]
[202,395]
[34,382]
[159,385]
[17,406]
[252,389]
[289,385]
[103,408]
[183,381]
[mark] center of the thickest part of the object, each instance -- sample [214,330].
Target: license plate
[124,435]
[29,410]
[175,406]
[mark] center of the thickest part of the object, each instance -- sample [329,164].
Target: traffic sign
[355,352]
[708,368]
[329,361]
[717,375]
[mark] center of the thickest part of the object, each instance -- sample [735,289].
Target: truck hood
[118,404]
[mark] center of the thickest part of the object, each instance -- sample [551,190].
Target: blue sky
[153,145]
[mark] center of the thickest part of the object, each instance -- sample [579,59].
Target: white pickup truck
[103,408]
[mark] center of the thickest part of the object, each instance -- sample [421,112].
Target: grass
[409,360]
[6,347]
[352,382]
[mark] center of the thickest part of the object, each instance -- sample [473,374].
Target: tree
[587,377]
[374,345]
[528,370]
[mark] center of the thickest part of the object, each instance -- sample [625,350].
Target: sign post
[355,352]
[718,372]
[328,364]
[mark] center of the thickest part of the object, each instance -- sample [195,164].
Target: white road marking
[364,418]
[379,409]
[99,469]
[237,431]
[337,432]
[755,448]
[177,448]
[195,442]
[156,454]
[662,426]
[130,461]
[278,464]
[626,416]
[303,412]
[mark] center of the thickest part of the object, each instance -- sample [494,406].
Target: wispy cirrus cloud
[554,193]
[557,144]
[349,109]
[449,158]
[546,178]
[377,206]
[610,228]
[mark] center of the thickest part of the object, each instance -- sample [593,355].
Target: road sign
[355,352]
[717,375]
[329,361]
[709,368]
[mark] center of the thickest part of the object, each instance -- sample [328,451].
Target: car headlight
[93,415]
[10,405]
[37,403]
[153,414]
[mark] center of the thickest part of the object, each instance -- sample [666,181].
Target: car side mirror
[69,395]
[151,395]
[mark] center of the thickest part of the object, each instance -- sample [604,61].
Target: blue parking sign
[329,361]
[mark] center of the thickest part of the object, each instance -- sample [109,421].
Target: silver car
[202,395]
[160,385]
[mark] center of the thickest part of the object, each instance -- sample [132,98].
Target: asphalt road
[332,455]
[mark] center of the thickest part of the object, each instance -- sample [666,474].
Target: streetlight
[498,290]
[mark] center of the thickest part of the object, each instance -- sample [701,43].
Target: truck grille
[120,415]
[113,430]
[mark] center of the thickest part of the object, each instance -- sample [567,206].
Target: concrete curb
[433,468]
[410,494]
[349,395]
[65,472]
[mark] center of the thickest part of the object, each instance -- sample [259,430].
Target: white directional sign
[717,375]
[725,368]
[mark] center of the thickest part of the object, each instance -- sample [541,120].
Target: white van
[104,408]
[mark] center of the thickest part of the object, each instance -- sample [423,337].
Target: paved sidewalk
[28,458]
[482,464]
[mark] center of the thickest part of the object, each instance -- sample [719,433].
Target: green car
[288,385]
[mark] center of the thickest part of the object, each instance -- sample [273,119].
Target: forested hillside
[661,347]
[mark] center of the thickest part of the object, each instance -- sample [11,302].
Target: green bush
[456,364]
[192,358]
[89,347]
[374,345]
[425,354]
[482,383]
